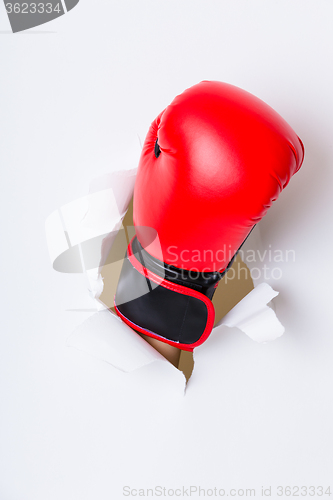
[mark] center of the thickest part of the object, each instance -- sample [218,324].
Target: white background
[74,95]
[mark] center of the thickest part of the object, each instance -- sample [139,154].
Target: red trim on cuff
[175,288]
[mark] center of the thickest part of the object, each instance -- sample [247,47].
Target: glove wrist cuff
[160,308]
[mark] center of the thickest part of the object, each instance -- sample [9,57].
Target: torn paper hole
[107,338]
[80,234]
[253,302]
[254,317]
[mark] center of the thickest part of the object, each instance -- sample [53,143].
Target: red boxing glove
[212,164]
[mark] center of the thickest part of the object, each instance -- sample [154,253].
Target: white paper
[254,317]
[81,233]
[107,338]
